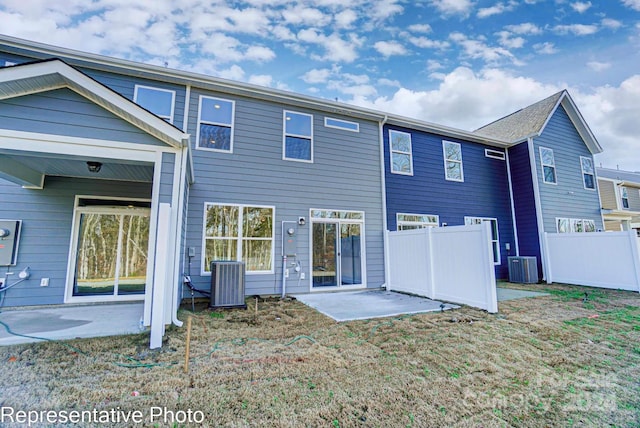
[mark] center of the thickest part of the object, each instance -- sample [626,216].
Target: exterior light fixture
[94,166]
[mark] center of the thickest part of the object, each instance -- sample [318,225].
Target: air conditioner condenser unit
[227,284]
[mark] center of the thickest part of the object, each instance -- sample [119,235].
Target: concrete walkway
[359,305]
[70,322]
[512,294]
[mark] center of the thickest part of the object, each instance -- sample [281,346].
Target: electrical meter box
[9,238]
[290,239]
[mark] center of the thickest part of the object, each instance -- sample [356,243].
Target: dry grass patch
[549,361]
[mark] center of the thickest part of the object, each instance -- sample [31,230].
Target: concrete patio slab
[512,294]
[70,322]
[359,305]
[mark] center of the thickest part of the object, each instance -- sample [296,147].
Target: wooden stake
[256,311]
[187,345]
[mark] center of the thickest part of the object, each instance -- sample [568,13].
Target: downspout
[513,206]
[385,239]
[538,203]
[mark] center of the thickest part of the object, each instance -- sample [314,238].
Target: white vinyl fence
[453,263]
[599,259]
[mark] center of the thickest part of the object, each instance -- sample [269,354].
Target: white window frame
[495,243]
[592,174]
[338,122]
[573,223]
[239,238]
[494,154]
[624,196]
[153,88]
[542,164]
[285,135]
[206,122]
[445,143]
[400,224]
[392,151]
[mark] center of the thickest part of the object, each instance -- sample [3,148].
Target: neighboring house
[552,170]
[438,176]
[620,196]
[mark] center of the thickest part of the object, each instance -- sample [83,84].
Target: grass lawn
[556,360]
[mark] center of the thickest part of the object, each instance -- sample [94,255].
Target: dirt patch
[558,360]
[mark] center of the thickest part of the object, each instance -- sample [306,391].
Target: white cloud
[453,7]
[496,9]
[390,48]
[302,15]
[507,40]
[261,79]
[336,48]
[477,49]
[317,76]
[426,43]
[581,7]
[546,48]
[633,4]
[577,29]
[598,66]
[612,24]
[345,18]
[526,28]
[259,54]
[234,72]
[433,65]
[389,82]
[420,28]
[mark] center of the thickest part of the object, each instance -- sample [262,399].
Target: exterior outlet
[44,282]
[302,275]
[286,273]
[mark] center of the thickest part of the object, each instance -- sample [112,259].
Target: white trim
[513,206]
[383,185]
[470,220]
[153,230]
[239,238]
[152,88]
[285,135]
[494,154]
[542,165]
[392,151]
[176,226]
[363,249]
[445,160]
[73,247]
[593,174]
[187,105]
[538,204]
[337,126]
[203,122]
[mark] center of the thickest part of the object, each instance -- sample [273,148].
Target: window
[330,122]
[575,225]
[548,165]
[239,232]
[416,221]
[588,177]
[624,194]
[158,101]
[298,136]
[215,124]
[495,238]
[494,154]
[400,149]
[452,161]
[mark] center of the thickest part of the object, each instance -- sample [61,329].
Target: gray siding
[567,198]
[345,175]
[634,198]
[46,230]
[63,112]
[607,194]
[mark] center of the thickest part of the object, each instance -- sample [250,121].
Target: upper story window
[575,225]
[239,232]
[495,238]
[452,161]
[330,122]
[298,136]
[588,175]
[158,101]
[624,195]
[548,165]
[416,221]
[400,152]
[215,124]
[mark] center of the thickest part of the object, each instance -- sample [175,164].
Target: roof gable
[30,78]
[531,121]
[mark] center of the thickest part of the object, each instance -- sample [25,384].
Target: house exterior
[118,178]
[553,176]
[620,196]
[238,167]
[437,176]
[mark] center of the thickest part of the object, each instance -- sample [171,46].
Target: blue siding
[63,112]
[345,175]
[484,192]
[567,198]
[524,202]
[46,217]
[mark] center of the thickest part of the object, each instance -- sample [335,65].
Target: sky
[460,63]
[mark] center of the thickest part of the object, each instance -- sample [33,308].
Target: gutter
[383,183]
